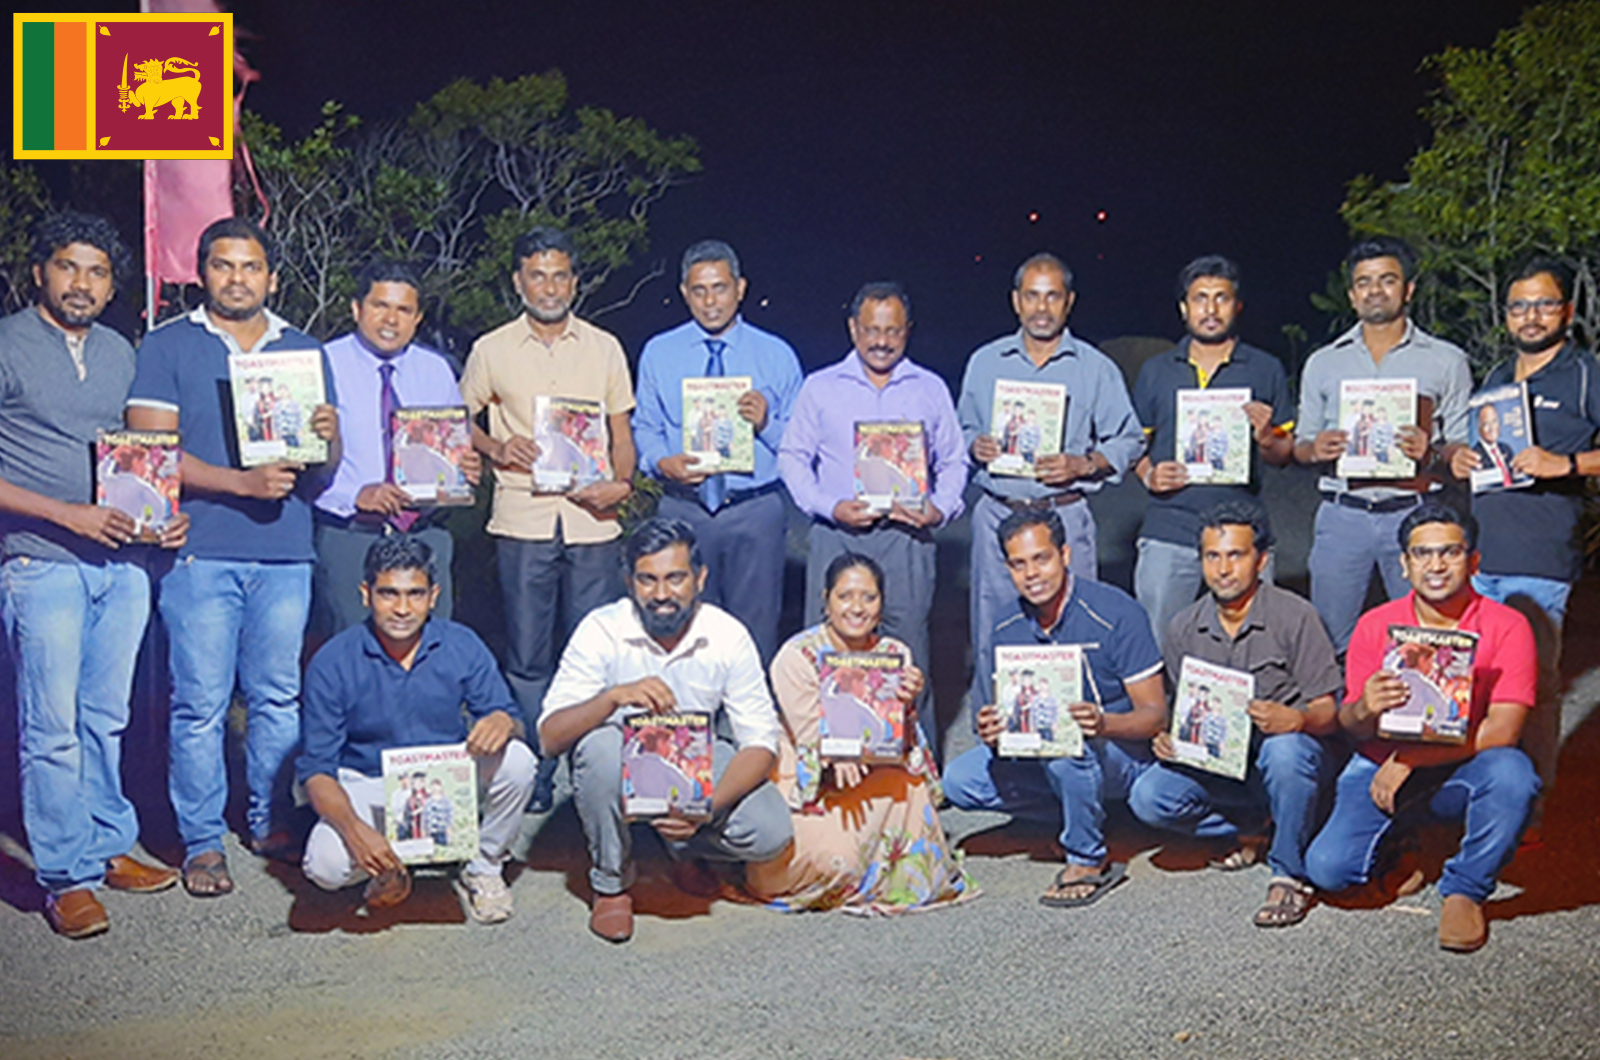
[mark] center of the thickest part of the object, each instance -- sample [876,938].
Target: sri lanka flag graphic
[122,86]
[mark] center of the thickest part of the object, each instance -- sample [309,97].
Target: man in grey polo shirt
[1247,624]
[1100,439]
[74,596]
[1358,522]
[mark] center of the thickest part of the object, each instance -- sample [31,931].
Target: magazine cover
[274,395]
[863,716]
[1033,688]
[666,764]
[891,464]
[1027,421]
[1211,717]
[1436,665]
[1370,411]
[1214,436]
[136,472]
[714,433]
[574,444]
[430,803]
[1499,428]
[428,443]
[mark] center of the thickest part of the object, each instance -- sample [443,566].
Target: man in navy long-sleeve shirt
[401,680]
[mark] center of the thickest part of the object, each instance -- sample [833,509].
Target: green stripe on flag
[38,86]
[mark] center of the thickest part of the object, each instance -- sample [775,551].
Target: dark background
[846,142]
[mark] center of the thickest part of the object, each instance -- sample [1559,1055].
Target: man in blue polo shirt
[1099,441]
[235,603]
[399,680]
[1125,705]
[378,369]
[730,512]
[1167,576]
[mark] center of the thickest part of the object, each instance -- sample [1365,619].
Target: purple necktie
[714,490]
[388,405]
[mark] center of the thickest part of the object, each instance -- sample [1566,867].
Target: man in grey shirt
[73,599]
[1358,522]
[1247,624]
[1100,438]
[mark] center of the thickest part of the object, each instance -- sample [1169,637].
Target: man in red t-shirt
[1487,780]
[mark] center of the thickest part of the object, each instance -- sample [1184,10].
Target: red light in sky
[977,257]
[1101,217]
[1033,217]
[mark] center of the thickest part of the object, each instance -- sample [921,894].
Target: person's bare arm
[1148,716]
[367,846]
[106,526]
[269,482]
[560,729]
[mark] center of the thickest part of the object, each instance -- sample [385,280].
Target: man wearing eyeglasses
[1358,518]
[1487,782]
[1531,540]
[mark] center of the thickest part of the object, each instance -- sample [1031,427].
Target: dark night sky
[845,142]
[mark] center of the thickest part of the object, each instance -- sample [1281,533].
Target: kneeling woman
[866,837]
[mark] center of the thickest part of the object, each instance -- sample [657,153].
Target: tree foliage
[1513,169]
[452,187]
[24,199]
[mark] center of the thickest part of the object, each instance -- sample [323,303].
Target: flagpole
[151,290]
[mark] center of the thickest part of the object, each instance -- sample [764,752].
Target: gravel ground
[1167,966]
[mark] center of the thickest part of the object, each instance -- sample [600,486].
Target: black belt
[1037,504]
[1362,504]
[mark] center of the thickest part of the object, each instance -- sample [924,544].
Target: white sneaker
[488,899]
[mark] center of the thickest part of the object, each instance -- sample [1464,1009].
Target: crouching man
[401,680]
[1486,782]
[663,649]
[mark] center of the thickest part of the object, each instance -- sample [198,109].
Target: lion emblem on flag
[158,90]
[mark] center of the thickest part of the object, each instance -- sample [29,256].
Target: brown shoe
[1462,928]
[125,874]
[387,889]
[612,917]
[76,914]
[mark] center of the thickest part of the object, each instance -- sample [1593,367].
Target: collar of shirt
[1257,618]
[568,331]
[729,334]
[1031,613]
[1469,617]
[376,359]
[1183,355]
[432,637]
[1506,371]
[1066,346]
[275,328]
[1356,336]
[852,369]
[693,640]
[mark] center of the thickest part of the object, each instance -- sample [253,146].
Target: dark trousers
[548,587]
[341,559]
[743,546]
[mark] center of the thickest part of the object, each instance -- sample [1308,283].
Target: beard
[1209,340]
[234,313]
[544,316]
[1550,340]
[68,317]
[665,623]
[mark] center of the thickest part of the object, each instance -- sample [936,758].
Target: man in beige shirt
[559,550]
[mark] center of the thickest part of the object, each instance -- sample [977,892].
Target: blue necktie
[714,490]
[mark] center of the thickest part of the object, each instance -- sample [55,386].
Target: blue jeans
[232,622]
[1546,592]
[1347,545]
[1493,791]
[1070,790]
[74,632]
[1286,780]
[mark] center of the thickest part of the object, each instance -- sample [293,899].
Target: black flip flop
[1114,873]
[208,865]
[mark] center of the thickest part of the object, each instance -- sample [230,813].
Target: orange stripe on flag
[72,75]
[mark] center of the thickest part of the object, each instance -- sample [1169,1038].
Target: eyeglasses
[1448,553]
[1543,306]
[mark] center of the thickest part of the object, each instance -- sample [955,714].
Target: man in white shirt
[663,650]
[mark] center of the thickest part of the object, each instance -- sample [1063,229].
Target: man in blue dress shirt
[735,515]
[405,679]
[378,369]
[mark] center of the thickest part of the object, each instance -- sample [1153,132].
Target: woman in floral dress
[866,837]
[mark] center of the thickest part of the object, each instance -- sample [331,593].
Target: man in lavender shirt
[362,502]
[817,461]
